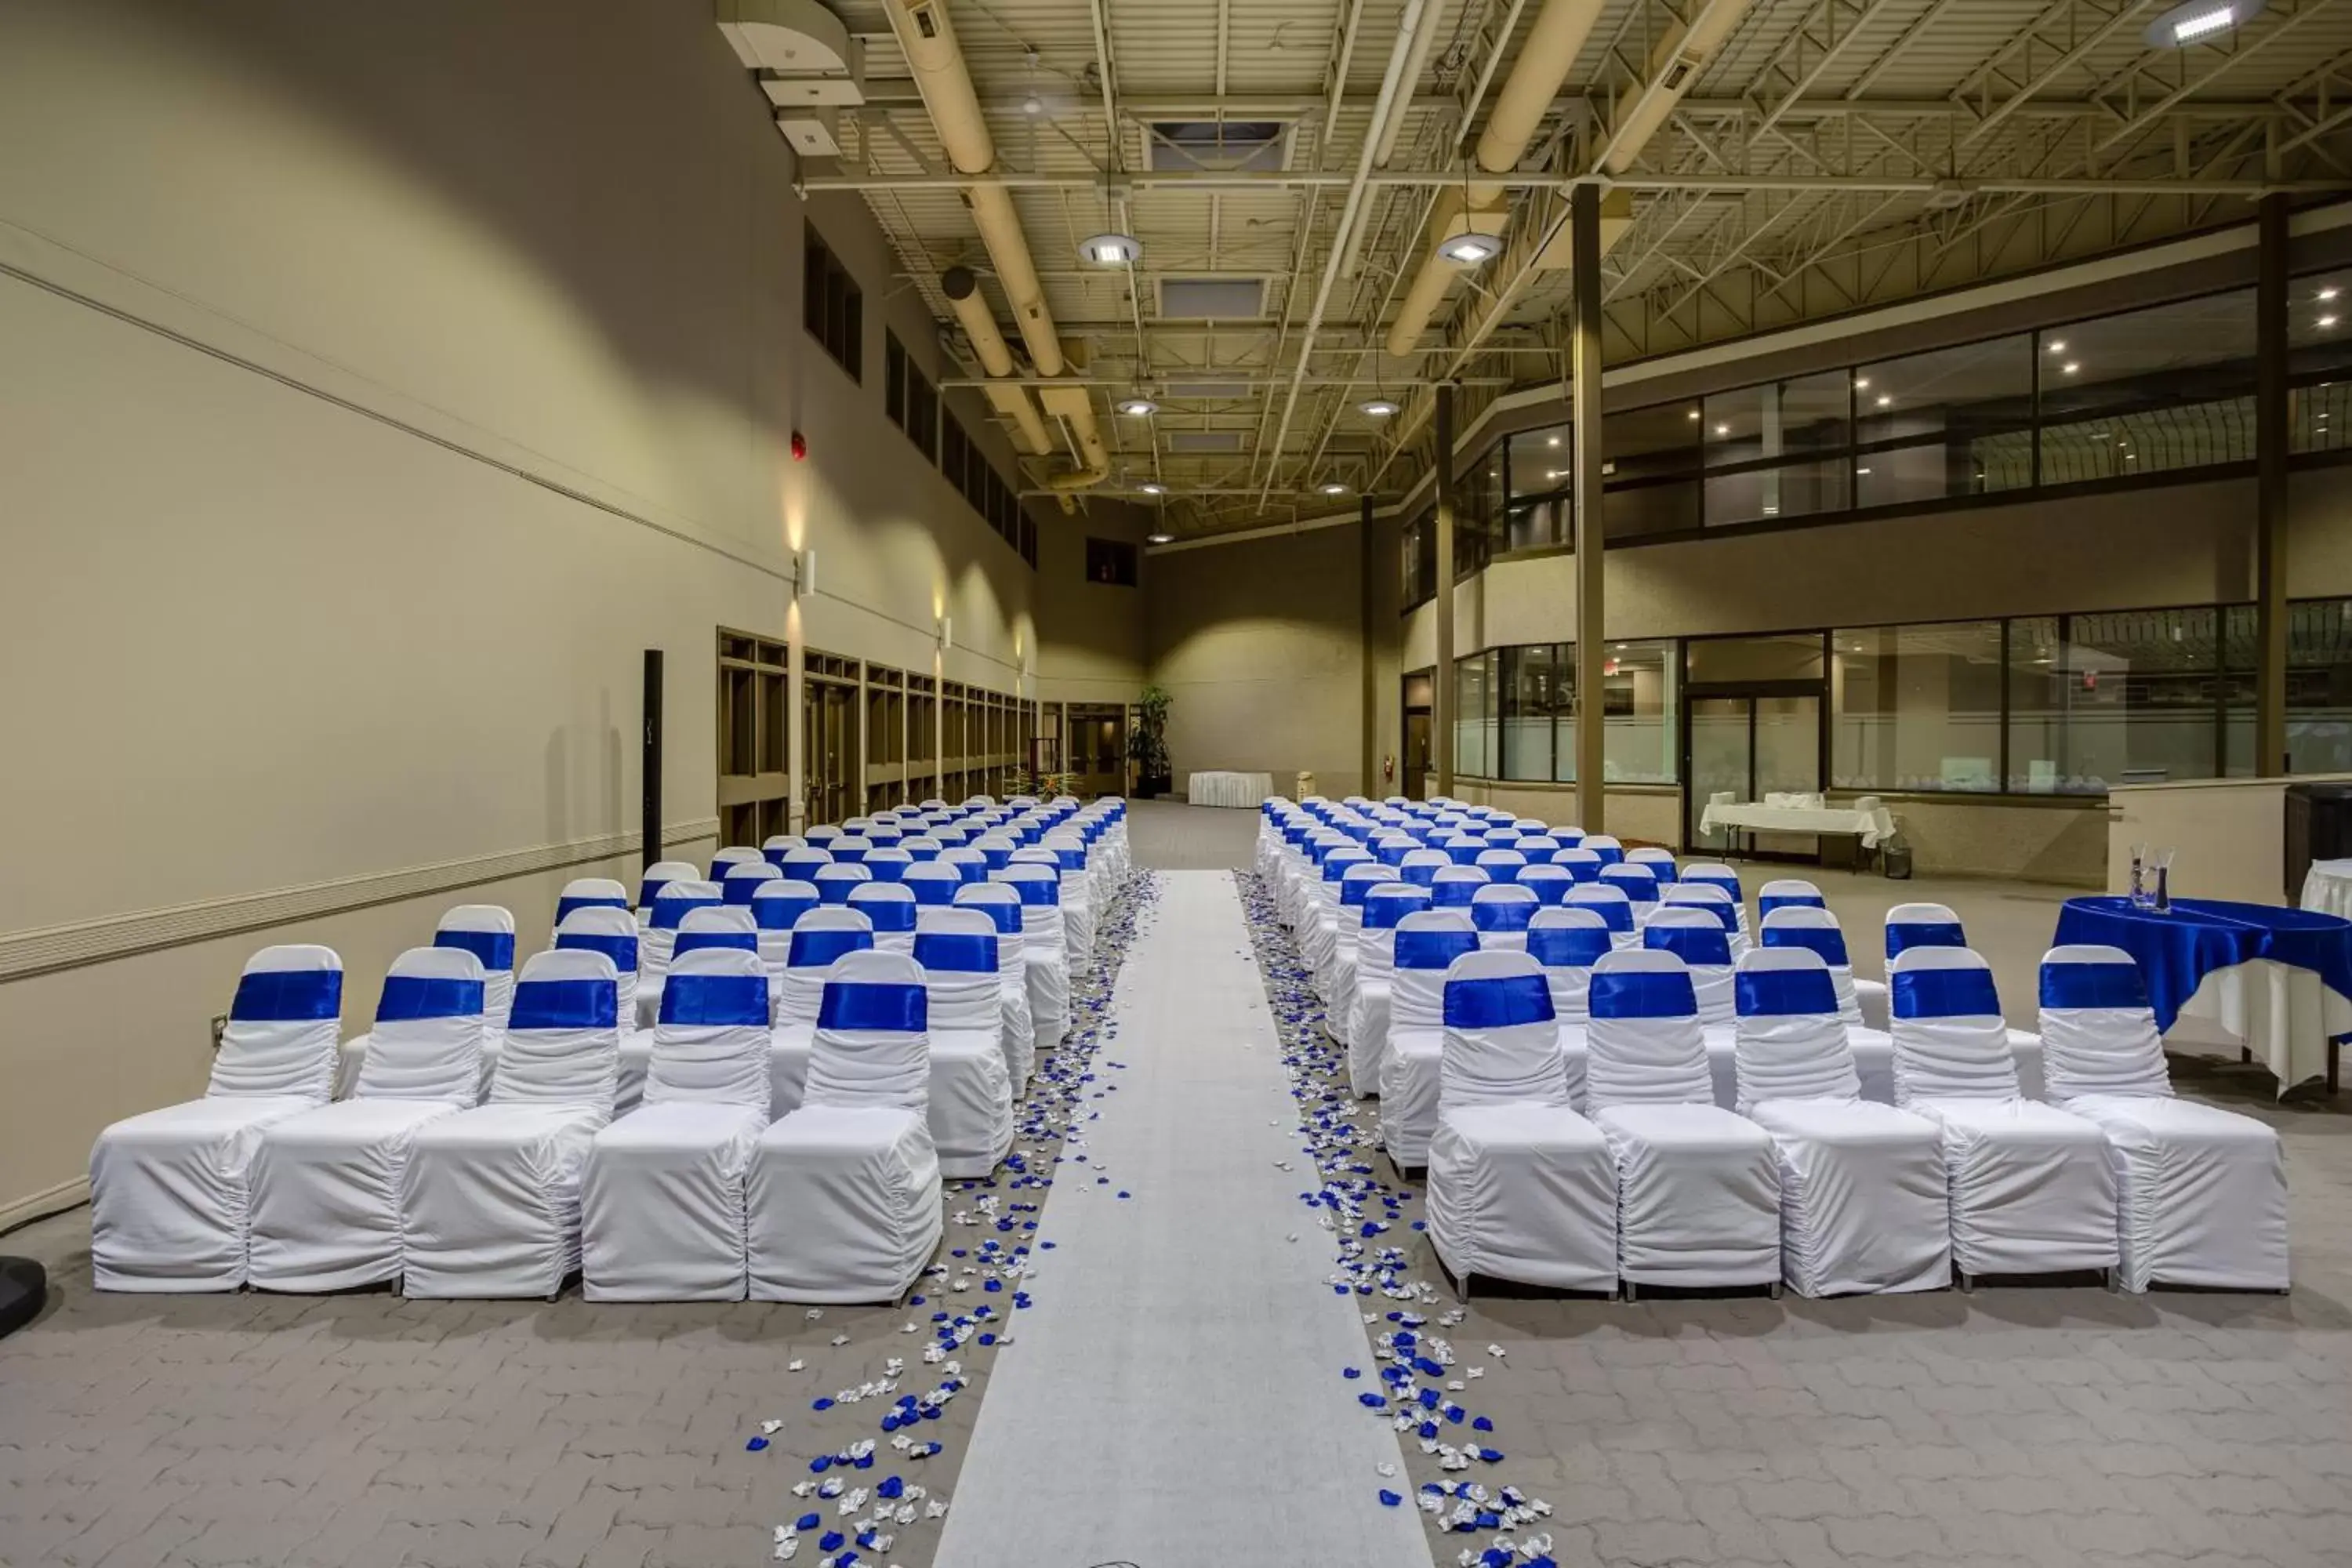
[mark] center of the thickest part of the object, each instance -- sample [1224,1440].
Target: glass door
[1742,745]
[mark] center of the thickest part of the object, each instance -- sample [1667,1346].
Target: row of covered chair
[488,1146]
[1644,1179]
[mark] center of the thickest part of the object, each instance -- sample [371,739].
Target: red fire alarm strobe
[800,448]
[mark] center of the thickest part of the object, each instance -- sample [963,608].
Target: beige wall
[1261,646]
[1092,645]
[367,406]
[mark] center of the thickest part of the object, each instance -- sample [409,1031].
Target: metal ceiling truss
[1805,174]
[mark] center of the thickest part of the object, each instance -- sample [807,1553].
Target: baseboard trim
[55,1200]
[44,951]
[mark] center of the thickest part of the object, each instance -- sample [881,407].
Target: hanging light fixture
[1152,488]
[1137,406]
[1332,487]
[1111,249]
[1159,539]
[1379,407]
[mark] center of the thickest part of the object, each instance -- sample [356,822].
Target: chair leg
[1968,1282]
[1628,1290]
[1775,1290]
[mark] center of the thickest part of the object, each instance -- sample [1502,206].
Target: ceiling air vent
[1212,298]
[1256,146]
[1209,390]
[1204,441]
[808,65]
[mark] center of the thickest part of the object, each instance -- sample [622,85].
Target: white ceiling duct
[962,288]
[1675,64]
[811,65]
[1075,407]
[938,64]
[1554,41]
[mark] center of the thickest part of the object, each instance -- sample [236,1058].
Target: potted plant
[1147,744]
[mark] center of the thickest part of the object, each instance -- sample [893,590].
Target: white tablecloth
[2284,1016]
[1246,790]
[1873,827]
[2328,887]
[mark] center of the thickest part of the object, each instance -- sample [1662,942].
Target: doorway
[1412,768]
[1098,750]
[1748,741]
[829,752]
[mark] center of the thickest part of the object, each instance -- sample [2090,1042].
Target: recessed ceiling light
[1111,249]
[1376,407]
[1159,539]
[2070,367]
[1694,414]
[1884,399]
[2326,321]
[1471,248]
[1332,487]
[1552,441]
[1723,430]
[1862,471]
[2055,346]
[2329,293]
[1137,406]
[1152,488]
[1862,383]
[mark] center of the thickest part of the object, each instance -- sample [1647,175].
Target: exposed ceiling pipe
[1554,41]
[1424,37]
[940,75]
[1392,83]
[1010,399]
[1073,404]
[1674,65]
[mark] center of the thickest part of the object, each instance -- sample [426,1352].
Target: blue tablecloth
[2177,950]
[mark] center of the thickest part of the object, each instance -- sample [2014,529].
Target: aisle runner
[1169,1398]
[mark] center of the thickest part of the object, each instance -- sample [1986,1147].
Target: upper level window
[832,307]
[908,397]
[1110,561]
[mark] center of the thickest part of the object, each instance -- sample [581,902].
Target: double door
[1748,741]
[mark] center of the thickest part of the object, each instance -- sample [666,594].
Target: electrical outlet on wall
[220,1027]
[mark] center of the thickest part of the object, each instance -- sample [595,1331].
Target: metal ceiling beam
[2072,27]
[1433,179]
[2136,118]
[1818,41]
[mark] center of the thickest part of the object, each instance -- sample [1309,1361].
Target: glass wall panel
[1778,418]
[1953,422]
[1474,749]
[2168,387]
[2318,687]
[1639,713]
[2037,706]
[1534,686]
[1649,472]
[2139,690]
[1916,707]
[1797,490]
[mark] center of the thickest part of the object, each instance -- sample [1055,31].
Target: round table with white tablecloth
[1229,789]
[2328,887]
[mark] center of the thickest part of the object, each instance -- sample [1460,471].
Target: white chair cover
[590,893]
[1367,1030]
[326,1184]
[2031,1188]
[662,1195]
[891,908]
[618,939]
[1697,937]
[1002,905]
[723,861]
[1568,942]
[1615,909]
[675,900]
[1606,847]
[2202,1191]
[776,908]
[1501,864]
[1813,927]
[971,1107]
[1425,947]
[1862,1205]
[843,1195]
[1638,885]
[170,1189]
[660,875]
[1337,984]
[819,937]
[743,879]
[1551,884]
[491,1198]
[1042,948]
[1710,897]
[1699,1194]
[1502,914]
[1520,1186]
[488,933]
[836,881]
[1788,893]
